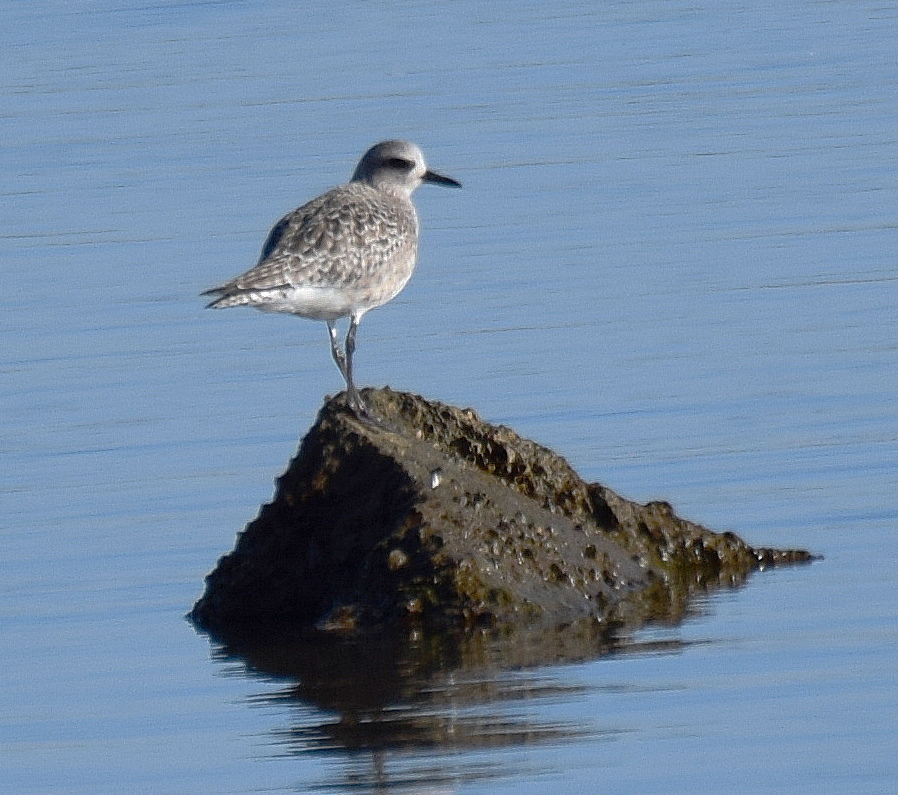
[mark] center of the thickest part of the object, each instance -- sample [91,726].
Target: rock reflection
[440,695]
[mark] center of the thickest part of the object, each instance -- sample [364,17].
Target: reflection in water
[411,711]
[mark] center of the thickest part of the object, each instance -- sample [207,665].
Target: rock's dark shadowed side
[449,520]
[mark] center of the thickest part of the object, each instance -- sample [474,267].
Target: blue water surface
[673,261]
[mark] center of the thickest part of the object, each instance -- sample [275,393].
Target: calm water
[674,261]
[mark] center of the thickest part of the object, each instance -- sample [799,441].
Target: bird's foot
[365,414]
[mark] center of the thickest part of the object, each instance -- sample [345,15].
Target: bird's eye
[400,163]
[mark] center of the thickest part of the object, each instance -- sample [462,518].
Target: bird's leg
[355,399]
[338,354]
[343,358]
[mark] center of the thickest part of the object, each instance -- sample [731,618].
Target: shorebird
[350,250]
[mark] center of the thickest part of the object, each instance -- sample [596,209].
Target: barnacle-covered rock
[435,516]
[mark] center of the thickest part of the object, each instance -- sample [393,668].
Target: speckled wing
[343,239]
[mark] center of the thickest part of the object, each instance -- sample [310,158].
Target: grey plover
[350,250]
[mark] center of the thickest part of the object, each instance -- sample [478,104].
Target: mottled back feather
[342,238]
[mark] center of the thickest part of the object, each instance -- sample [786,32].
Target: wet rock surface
[442,519]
